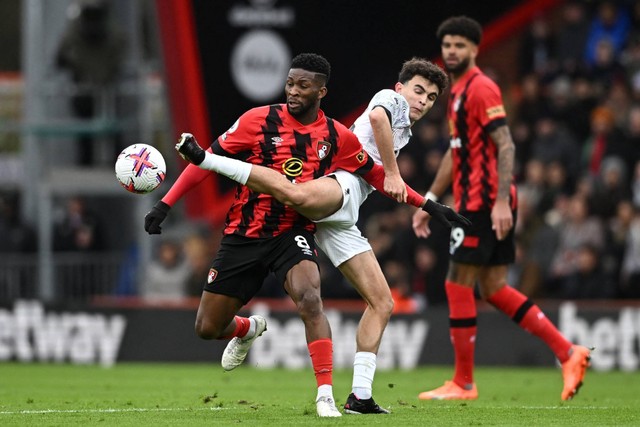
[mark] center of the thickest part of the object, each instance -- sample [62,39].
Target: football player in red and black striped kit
[479,165]
[264,235]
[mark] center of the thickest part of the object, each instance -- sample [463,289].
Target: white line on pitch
[101,411]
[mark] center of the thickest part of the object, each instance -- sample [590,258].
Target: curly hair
[427,69]
[314,63]
[460,26]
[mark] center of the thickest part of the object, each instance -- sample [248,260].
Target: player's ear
[398,87]
[322,92]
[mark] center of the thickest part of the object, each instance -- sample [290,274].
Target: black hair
[427,69]
[314,63]
[460,26]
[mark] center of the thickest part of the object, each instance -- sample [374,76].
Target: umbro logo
[276,140]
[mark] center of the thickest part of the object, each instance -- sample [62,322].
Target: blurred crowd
[574,114]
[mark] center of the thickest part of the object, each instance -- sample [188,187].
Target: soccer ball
[140,168]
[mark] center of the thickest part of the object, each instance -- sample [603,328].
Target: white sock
[364,369]
[231,168]
[325,390]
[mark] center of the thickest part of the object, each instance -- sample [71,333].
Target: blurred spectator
[532,186]
[166,275]
[93,51]
[589,280]
[631,131]
[537,49]
[554,143]
[556,187]
[199,256]
[571,37]
[618,228]
[585,99]
[78,229]
[532,104]
[631,262]
[16,235]
[522,139]
[578,228]
[610,23]
[426,285]
[606,68]
[605,140]
[610,187]
[635,185]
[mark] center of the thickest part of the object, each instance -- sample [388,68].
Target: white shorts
[337,234]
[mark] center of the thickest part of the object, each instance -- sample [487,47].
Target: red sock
[321,352]
[242,327]
[463,329]
[530,318]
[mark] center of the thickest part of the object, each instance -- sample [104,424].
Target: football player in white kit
[383,129]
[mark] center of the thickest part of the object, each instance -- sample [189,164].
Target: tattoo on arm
[506,154]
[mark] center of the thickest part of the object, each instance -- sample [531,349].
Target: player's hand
[420,224]
[444,214]
[189,149]
[155,216]
[394,186]
[501,219]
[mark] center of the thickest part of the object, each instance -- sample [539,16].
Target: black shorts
[478,244]
[243,263]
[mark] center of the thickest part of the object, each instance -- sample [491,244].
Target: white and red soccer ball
[140,168]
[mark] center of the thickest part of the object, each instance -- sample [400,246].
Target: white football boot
[237,349]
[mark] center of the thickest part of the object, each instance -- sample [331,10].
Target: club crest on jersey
[360,156]
[213,273]
[292,167]
[324,148]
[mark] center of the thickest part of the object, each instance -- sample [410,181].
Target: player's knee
[383,306]
[206,330]
[310,305]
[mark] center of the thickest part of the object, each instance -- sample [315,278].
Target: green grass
[196,394]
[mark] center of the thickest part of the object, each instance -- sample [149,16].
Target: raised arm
[393,185]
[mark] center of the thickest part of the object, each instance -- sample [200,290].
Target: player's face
[420,93]
[304,90]
[458,54]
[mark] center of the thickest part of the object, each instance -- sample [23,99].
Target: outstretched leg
[315,199]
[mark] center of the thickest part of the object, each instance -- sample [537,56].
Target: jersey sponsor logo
[497,111]
[324,148]
[213,273]
[292,167]
[276,140]
[360,156]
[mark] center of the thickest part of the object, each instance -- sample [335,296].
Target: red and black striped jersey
[474,110]
[269,136]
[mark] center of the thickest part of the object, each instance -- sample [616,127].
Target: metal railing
[76,276]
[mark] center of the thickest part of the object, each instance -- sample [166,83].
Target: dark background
[366,43]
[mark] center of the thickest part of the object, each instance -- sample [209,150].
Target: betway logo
[615,340]
[28,334]
[285,344]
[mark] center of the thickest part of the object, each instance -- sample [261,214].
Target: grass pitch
[196,394]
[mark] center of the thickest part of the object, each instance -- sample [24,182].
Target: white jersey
[337,235]
[398,108]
